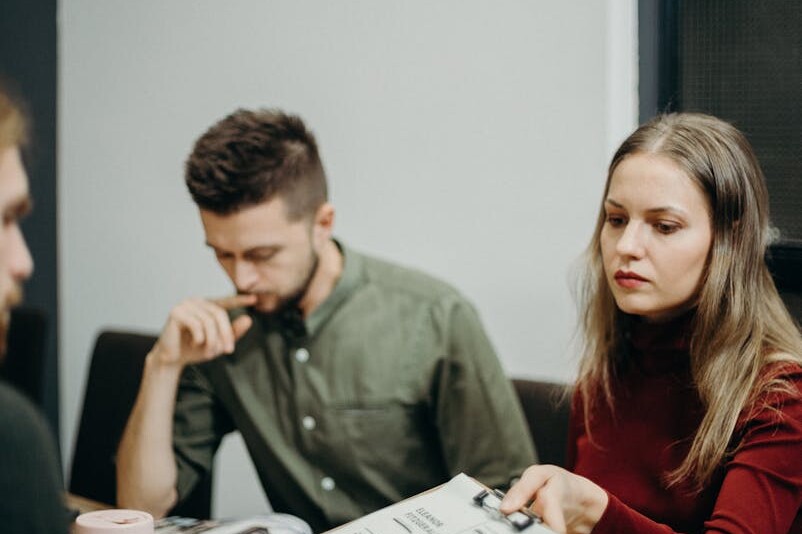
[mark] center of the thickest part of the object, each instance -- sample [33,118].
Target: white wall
[466,138]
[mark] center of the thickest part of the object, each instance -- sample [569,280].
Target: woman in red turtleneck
[687,413]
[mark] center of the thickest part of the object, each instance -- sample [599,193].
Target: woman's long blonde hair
[741,324]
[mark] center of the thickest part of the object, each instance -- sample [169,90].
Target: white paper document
[267,524]
[447,509]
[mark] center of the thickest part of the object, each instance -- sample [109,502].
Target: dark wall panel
[741,60]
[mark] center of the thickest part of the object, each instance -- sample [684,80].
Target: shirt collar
[348,282]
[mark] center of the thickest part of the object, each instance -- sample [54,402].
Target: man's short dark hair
[252,156]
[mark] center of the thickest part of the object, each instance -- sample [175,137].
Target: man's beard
[13,298]
[292,301]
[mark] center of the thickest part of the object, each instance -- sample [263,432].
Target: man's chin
[273,305]
[267,305]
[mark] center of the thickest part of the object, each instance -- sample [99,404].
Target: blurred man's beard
[5,319]
[13,298]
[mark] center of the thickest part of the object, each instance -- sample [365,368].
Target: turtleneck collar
[660,347]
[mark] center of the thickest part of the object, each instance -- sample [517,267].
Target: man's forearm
[146,471]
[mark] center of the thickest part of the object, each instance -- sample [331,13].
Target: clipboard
[520,520]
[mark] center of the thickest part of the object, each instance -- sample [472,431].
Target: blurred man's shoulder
[19,413]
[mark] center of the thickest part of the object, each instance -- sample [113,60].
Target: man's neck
[329,269]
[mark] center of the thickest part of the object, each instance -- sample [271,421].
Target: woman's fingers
[544,487]
[523,491]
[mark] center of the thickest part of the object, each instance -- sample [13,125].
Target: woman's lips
[628,279]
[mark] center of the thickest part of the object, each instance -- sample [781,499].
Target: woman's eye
[666,228]
[616,220]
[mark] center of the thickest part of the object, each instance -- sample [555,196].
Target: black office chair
[111,388]
[24,362]
[546,407]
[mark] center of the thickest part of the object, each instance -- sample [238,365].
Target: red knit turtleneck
[657,411]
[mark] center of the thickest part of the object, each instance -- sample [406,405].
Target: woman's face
[656,237]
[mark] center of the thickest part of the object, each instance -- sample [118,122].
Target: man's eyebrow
[263,249]
[252,250]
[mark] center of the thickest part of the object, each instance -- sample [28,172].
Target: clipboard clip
[490,501]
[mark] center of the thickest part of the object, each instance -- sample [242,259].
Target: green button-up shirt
[392,389]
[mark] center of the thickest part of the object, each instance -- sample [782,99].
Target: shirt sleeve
[199,425]
[761,490]
[482,429]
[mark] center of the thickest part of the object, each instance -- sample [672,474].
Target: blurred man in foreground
[30,480]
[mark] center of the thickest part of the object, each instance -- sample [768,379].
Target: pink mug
[114,522]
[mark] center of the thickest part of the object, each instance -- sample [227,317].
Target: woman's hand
[568,503]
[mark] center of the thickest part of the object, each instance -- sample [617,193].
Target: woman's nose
[631,242]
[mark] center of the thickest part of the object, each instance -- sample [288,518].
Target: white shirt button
[327,483]
[309,422]
[302,355]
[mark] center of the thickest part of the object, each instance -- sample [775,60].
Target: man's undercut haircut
[253,156]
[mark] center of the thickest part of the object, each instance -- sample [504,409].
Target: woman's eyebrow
[657,209]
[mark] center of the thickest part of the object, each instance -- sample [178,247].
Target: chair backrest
[546,407]
[115,374]
[24,362]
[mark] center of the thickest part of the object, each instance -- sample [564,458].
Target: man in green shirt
[354,382]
